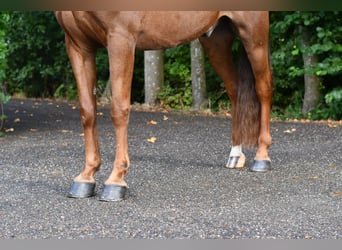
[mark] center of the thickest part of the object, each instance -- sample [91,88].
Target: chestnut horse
[249,87]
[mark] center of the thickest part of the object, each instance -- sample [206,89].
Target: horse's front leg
[121,58]
[83,64]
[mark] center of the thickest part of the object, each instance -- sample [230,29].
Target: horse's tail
[247,110]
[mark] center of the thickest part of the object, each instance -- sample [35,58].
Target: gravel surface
[179,187]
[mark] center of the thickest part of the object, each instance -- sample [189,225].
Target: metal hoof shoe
[261,166]
[113,192]
[82,190]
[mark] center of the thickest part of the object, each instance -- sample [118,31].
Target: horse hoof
[261,166]
[236,162]
[82,190]
[113,192]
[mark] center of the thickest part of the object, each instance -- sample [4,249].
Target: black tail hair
[247,111]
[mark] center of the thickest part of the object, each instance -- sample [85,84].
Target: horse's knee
[120,114]
[88,116]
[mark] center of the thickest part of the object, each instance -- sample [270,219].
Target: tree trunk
[106,96]
[199,91]
[154,75]
[312,81]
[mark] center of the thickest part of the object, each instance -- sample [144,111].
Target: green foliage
[330,107]
[36,58]
[66,91]
[102,73]
[283,48]
[176,98]
[3,100]
[176,92]
[287,63]
[333,101]
[3,47]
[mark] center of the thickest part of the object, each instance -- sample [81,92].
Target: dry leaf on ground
[152,139]
[290,131]
[336,194]
[152,122]
[331,125]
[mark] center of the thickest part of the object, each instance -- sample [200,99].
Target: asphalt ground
[179,187]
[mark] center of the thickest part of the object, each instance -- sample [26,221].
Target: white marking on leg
[236,151]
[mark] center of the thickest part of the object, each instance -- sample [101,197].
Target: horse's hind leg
[83,64]
[253,29]
[219,50]
[121,59]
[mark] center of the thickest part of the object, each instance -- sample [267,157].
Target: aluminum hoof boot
[113,192]
[82,190]
[261,166]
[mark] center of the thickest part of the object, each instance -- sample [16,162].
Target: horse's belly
[167,29]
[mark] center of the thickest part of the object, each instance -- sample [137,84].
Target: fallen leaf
[9,130]
[290,131]
[336,194]
[313,177]
[57,172]
[296,177]
[65,131]
[152,122]
[82,134]
[99,113]
[152,140]
[332,165]
[332,125]
[33,129]
[165,118]
[16,120]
